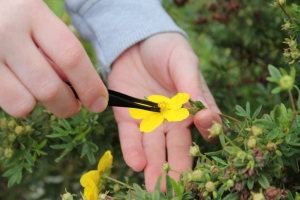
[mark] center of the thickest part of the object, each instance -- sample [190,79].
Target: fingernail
[206,122]
[99,105]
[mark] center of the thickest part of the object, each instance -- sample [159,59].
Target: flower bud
[3,123]
[197,175]
[11,123]
[251,143]
[229,183]
[11,137]
[19,130]
[210,186]
[116,187]
[241,155]
[214,169]
[8,152]
[166,167]
[258,196]
[257,131]
[286,82]
[102,196]
[67,196]
[271,146]
[194,151]
[281,2]
[215,130]
[286,26]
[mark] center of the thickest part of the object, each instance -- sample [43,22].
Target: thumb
[203,120]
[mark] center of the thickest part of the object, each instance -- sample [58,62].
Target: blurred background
[235,40]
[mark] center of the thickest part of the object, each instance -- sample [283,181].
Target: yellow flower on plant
[91,191]
[95,177]
[170,110]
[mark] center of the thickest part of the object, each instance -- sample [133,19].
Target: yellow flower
[94,177]
[170,110]
[90,190]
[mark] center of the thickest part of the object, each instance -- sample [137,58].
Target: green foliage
[249,54]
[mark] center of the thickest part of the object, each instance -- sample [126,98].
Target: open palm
[162,64]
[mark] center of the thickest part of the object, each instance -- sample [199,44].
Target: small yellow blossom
[93,181]
[170,110]
[90,189]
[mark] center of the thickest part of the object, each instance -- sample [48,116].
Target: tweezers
[119,99]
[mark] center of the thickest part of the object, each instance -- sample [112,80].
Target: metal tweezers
[119,99]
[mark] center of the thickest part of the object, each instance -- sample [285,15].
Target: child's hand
[30,36]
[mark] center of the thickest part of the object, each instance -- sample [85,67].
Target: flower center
[163,106]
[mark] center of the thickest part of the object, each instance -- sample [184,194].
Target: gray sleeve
[112,26]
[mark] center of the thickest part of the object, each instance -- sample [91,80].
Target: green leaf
[216,153]
[276,90]
[12,171]
[263,181]
[59,130]
[231,196]
[28,158]
[256,112]
[65,124]
[63,154]
[241,112]
[42,144]
[158,183]
[290,195]
[219,160]
[56,135]
[169,189]
[274,72]
[91,157]
[263,123]
[248,109]
[61,146]
[222,140]
[250,183]
[272,79]
[178,188]
[15,178]
[15,158]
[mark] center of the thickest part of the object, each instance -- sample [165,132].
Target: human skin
[30,36]
[39,54]
[162,64]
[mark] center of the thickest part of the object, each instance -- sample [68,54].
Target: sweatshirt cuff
[112,26]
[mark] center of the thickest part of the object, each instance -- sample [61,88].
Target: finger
[189,78]
[203,120]
[131,144]
[15,99]
[154,147]
[63,48]
[179,141]
[40,79]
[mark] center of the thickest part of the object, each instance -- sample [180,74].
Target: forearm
[112,26]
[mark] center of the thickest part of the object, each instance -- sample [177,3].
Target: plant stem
[229,140]
[228,117]
[117,181]
[290,19]
[293,107]
[173,170]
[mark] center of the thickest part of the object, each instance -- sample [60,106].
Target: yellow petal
[91,175]
[138,113]
[105,162]
[158,98]
[151,122]
[176,115]
[90,191]
[178,100]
